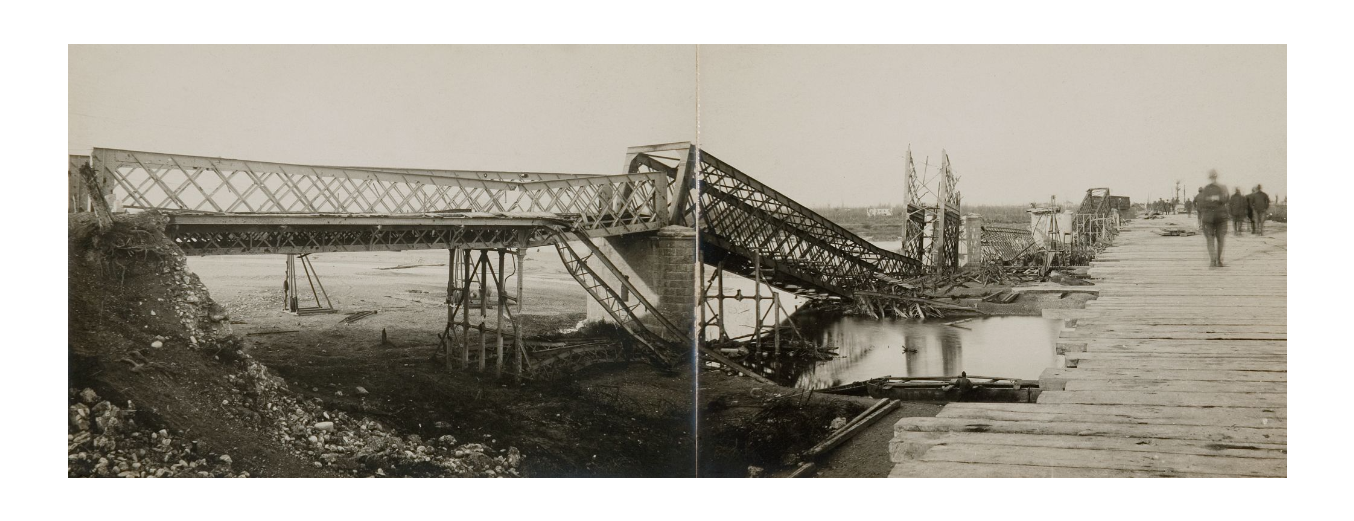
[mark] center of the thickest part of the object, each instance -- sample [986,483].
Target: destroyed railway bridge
[237,207]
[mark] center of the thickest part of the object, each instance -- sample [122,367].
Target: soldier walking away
[1259,202]
[1212,208]
[1195,205]
[1239,207]
[1189,205]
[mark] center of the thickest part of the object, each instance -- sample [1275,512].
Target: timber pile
[853,427]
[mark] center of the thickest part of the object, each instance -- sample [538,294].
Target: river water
[1010,347]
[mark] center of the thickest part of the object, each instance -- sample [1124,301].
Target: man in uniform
[1259,202]
[1195,204]
[1212,207]
[1238,206]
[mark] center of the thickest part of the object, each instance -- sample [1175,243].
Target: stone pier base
[662,266]
[677,277]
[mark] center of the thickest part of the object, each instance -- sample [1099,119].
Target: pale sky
[824,124]
[830,124]
[552,109]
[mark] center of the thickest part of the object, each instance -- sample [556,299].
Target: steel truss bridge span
[601,205]
[745,223]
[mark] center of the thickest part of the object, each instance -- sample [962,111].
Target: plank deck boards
[1176,370]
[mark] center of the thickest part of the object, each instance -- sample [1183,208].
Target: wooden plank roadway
[1177,369]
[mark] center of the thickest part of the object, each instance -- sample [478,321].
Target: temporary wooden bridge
[1177,369]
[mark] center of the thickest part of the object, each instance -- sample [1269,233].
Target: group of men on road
[1216,207]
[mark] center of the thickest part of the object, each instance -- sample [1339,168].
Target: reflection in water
[1012,347]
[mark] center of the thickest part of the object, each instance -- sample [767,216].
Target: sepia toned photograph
[677,261]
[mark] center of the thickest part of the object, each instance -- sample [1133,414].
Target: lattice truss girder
[681,193]
[609,204]
[922,219]
[1094,223]
[741,216]
[240,240]
[1006,245]
[1096,202]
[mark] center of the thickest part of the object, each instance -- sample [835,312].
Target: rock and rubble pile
[106,441]
[361,446]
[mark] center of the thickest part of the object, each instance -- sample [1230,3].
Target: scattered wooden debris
[407,266]
[851,389]
[1176,232]
[417,300]
[354,317]
[726,361]
[853,427]
[804,470]
[1067,279]
[924,307]
[995,296]
[275,332]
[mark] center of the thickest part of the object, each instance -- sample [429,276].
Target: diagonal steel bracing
[245,234]
[741,218]
[929,234]
[586,270]
[603,205]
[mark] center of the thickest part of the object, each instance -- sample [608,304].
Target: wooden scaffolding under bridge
[479,274]
[712,312]
[291,291]
[476,278]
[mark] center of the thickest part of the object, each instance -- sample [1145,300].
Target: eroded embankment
[160,387]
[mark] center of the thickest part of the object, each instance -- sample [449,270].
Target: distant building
[879,212]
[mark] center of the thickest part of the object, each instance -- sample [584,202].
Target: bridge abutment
[662,266]
[677,277]
[973,241]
